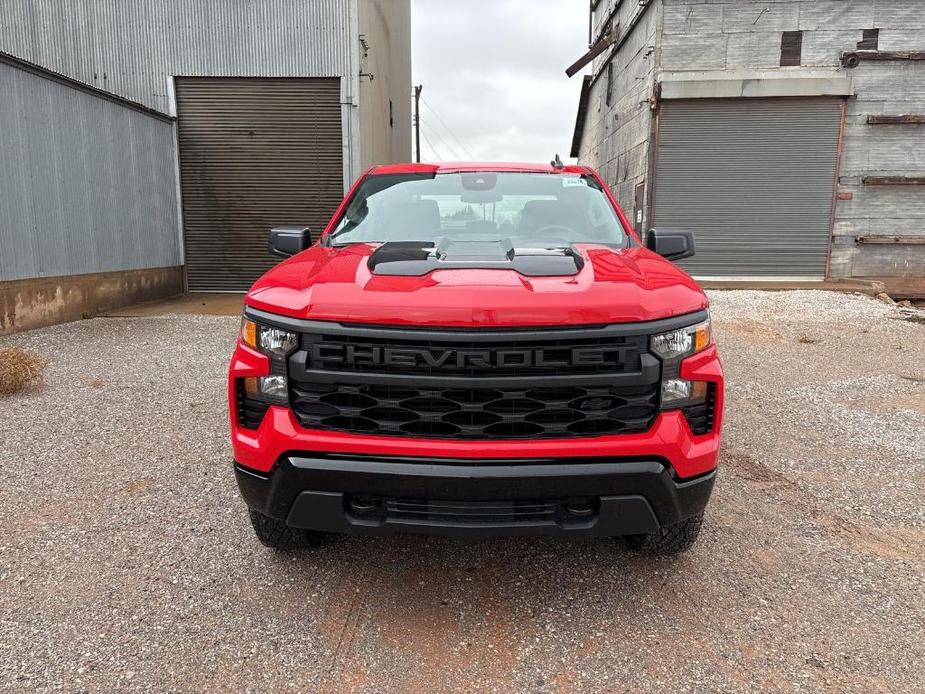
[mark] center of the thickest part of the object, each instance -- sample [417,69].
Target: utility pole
[417,121]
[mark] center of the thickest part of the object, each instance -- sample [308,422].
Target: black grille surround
[522,355]
[477,383]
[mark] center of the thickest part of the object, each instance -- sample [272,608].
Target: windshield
[528,209]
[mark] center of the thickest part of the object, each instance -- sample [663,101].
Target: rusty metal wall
[133,48]
[87,183]
[254,153]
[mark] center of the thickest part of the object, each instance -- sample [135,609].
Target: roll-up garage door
[753,179]
[254,153]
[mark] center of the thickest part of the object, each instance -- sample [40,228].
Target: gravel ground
[126,560]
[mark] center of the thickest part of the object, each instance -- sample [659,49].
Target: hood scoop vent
[416,258]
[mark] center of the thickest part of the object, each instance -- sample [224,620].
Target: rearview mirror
[673,244]
[289,240]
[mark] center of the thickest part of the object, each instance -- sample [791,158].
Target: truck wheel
[669,540]
[274,533]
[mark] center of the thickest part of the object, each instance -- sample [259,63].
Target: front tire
[672,539]
[274,533]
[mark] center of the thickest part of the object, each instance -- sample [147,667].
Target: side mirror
[673,244]
[287,241]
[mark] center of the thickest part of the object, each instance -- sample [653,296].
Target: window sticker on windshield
[573,181]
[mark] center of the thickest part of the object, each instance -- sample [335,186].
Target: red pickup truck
[477,350]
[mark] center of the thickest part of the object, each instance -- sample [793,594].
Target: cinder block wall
[725,36]
[616,138]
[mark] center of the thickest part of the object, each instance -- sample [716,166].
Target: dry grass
[19,370]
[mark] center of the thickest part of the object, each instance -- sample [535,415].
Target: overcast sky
[494,71]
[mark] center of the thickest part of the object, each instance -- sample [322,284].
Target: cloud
[494,72]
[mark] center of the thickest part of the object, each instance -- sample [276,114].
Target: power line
[452,134]
[439,138]
[432,148]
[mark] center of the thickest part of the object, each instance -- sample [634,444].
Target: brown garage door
[254,153]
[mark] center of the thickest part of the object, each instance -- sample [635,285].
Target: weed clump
[19,370]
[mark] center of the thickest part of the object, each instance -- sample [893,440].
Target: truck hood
[611,286]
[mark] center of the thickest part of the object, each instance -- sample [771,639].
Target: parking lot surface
[127,561]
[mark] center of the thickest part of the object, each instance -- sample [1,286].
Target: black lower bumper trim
[474,498]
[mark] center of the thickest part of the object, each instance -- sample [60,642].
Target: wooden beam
[853,58]
[890,240]
[893,180]
[602,44]
[891,55]
[903,119]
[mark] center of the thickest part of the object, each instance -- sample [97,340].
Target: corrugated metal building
[148,146]
[787,135]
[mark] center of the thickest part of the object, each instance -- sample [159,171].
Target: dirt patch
[139,486]
[903,544]
[750,330]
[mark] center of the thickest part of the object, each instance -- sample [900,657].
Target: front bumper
[669,439]
[460,497]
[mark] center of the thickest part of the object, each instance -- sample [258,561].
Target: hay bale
[19,369]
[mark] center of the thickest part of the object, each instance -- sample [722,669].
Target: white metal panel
[86,184]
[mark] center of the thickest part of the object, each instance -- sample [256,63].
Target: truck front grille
[474,384]
[475,413]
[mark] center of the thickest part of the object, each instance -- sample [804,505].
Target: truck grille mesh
[475,413]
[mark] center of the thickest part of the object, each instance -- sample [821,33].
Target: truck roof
[457,166]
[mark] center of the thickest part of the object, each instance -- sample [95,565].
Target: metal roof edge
[44,72]
[580,117]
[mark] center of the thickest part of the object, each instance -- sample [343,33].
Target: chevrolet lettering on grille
[332,355]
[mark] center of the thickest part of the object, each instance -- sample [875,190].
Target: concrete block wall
[730,34]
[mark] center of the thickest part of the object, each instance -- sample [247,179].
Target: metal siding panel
[132,48]
[17,258]
[254,153]
[74,197]
[753,178]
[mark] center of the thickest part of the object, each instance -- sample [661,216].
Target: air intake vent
[249,412]
[700,417]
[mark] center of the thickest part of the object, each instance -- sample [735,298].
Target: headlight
[682,342]
[277,344]
[671,348]
[267,389]
[678,392]
[274,342]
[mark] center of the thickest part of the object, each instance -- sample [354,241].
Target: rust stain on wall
[33,303]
